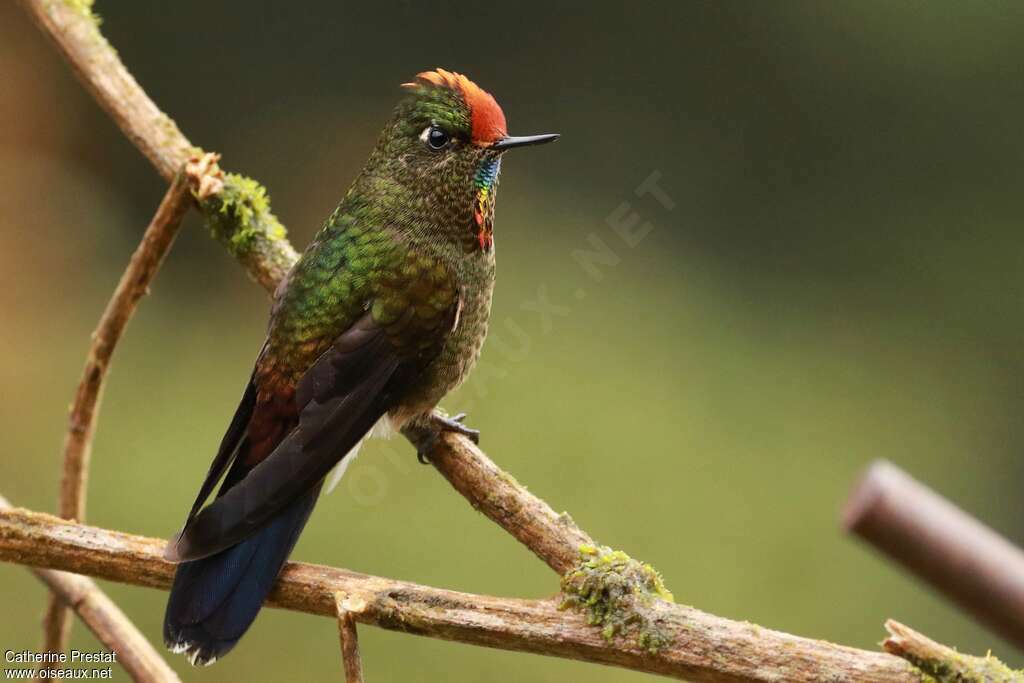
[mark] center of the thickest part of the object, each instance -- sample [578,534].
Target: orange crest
[488,121]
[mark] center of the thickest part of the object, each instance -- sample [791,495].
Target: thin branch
[134,284]
[75,32]
[252,233]
[970,563]
[110,626]
[347,607]
[107,622]
[702,647]
[944,664]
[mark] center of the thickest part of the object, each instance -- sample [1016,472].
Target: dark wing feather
[339,399]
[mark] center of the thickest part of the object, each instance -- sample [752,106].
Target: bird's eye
[436,138]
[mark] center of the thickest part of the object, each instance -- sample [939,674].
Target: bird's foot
[455,424]
[424,435]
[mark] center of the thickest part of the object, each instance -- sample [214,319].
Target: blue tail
[215,599]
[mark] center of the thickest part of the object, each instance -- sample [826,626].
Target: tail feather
[214,600]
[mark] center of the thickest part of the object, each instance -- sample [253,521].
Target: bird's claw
[454,424]
[424,435]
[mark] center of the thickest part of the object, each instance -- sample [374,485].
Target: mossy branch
[618,594]
[940,664]
[237,211]
[698,646]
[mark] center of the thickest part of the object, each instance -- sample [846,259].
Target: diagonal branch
[75,32]
[134,284]
[107,622]
[970,563]
[258,243]
[702,647]
[552,537]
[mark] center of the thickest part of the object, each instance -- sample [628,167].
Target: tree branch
[346,607]
[107,622]
[243,223]
[134,284]
[702,647]
[552,537]
[75,31]
[970,563]
[943,664]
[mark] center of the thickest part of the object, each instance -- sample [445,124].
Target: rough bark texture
[702,647]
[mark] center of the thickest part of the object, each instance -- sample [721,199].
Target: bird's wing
[339,399]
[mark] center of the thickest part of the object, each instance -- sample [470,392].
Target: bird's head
[444,146]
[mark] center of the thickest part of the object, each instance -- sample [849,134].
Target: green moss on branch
[940,664]
[84,7]
[616,592]
[960,668]
[240,216]
[237,211]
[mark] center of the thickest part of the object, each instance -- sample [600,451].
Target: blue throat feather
[485,180]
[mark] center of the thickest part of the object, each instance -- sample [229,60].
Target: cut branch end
[347,607]
[942,664]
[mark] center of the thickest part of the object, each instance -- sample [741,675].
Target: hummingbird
[384,313]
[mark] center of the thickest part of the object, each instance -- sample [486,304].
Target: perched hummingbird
[384,314]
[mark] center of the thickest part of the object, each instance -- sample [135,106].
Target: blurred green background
[840,279]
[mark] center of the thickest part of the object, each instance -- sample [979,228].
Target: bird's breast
[464,344]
